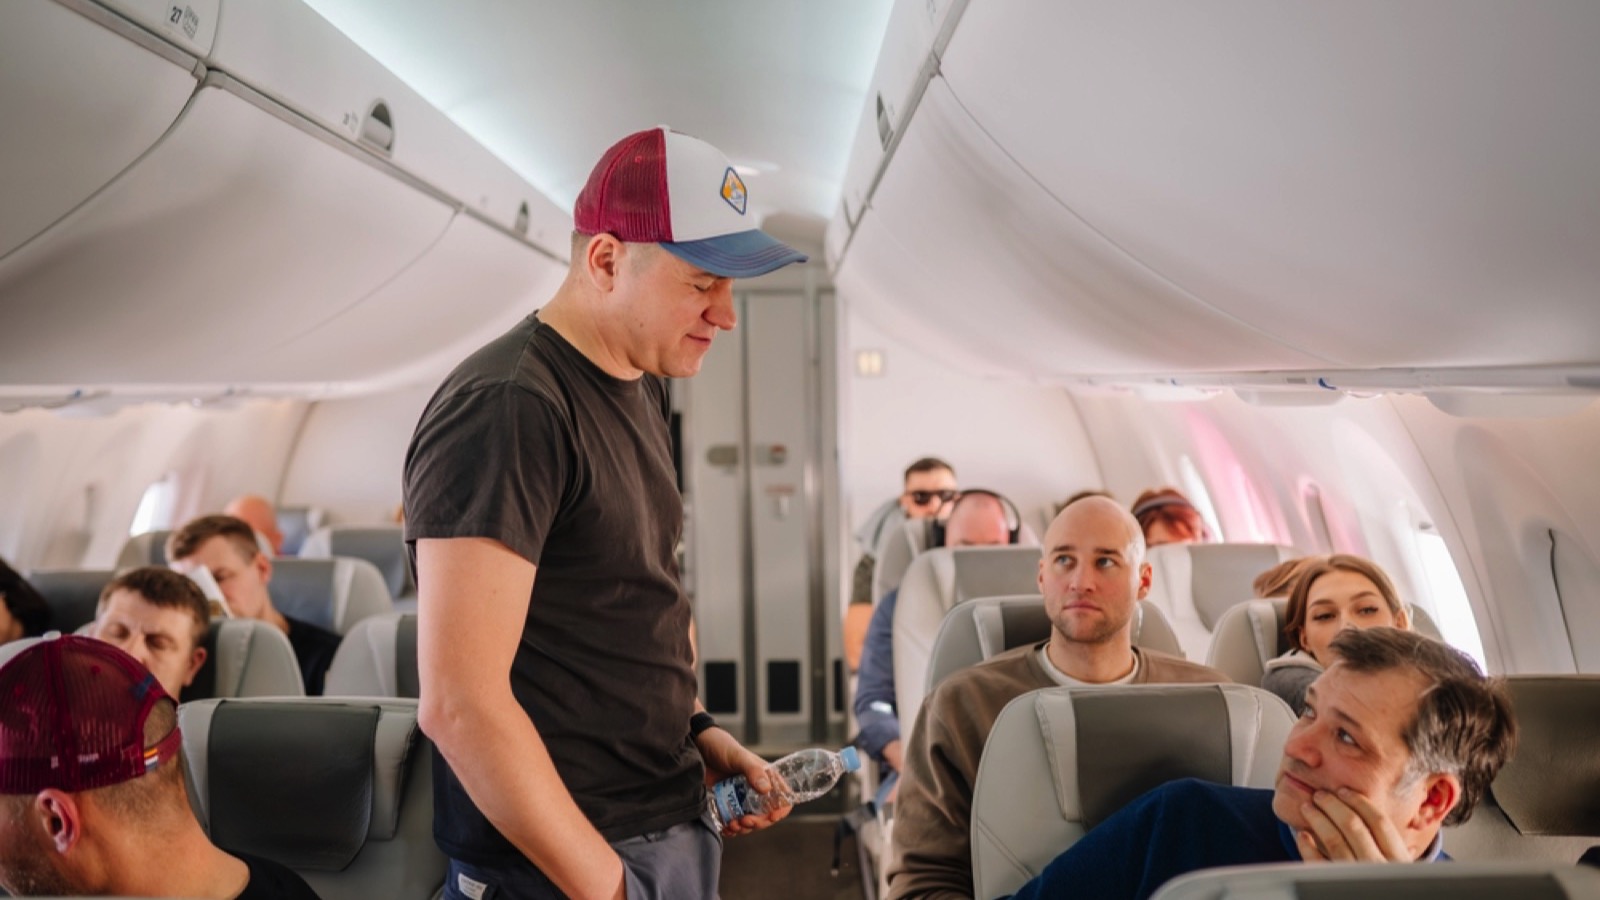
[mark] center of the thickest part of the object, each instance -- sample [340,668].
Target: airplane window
[1195,488]
[1451,608]
[155,507]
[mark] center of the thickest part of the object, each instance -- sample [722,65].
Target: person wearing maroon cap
[572,752]
[92,796]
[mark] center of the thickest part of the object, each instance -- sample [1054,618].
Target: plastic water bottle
[808,774]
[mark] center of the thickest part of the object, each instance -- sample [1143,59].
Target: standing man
[556,668]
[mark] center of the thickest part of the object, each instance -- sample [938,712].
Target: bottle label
[732,797]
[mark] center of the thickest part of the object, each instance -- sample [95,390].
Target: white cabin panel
[1004,268]
[1345,177]
[1025,441]
[470,287]
[222,244]
[350,455]
[190,26]
[80,104]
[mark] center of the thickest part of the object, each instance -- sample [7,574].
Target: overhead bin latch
[377,128]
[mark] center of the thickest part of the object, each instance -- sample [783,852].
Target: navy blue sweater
[1176,828]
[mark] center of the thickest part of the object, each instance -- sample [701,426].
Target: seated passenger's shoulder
[1164,668]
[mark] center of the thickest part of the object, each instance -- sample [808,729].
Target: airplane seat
[897,546]
[147,549]
[976,631]
[1061,760]
[353,813]
[1545,803]
[1250,634]
[296,523]
[1194,584]
[246,658]
[330,593]
[936,582]
[382,545]
[378,658]
[1379,881]
[11,649]
[73,594]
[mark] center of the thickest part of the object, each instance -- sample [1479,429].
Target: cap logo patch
[733,191]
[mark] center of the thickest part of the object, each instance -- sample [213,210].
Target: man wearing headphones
[977,518]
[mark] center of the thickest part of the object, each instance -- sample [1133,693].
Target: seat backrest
[1250,633]
[936,582]
[977,630]
[378,658]
[1543,805]
[339,790]
[147,549]
[73,594]
[330,593]
[1061,760]
[898,544]
[246,658]
[382,545]
[1377,881]
[295,523]
[1194,584]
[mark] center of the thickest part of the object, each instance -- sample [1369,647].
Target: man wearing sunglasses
[930,483]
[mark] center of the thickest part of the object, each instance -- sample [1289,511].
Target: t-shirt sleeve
[495,462]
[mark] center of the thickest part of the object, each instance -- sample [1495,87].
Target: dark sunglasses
[921,498]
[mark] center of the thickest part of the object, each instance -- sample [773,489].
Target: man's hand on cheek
[1347,827]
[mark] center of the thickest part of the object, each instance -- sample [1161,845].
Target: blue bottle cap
[851,761]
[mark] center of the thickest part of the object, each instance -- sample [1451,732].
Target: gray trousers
[683,862]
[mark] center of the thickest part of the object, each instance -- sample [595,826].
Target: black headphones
[936,525]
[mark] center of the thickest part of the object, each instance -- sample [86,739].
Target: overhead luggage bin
[962,242]
[911,44]
[471,286]
[80,104]
[290,53]
[1347,175]
[234,202]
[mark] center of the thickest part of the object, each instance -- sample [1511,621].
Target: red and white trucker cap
[75,715]
[659,186]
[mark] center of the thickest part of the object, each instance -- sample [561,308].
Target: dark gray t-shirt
[529,443]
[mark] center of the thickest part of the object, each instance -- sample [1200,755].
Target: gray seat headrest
[295,523]
[378,658]
[1250,634]
[937,581]
[1194,584]
[1357,881]
[982,628]
[1100,747]
[147,549]
[330,593]
[246,658]
[306,782]
[900,543]
[73,594]
[1558,720]
[382,545]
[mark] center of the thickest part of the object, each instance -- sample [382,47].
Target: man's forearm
[505,768]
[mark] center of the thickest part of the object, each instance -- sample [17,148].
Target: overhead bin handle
[377,128]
